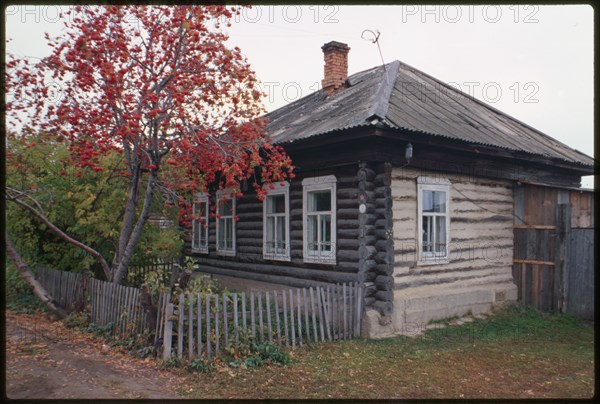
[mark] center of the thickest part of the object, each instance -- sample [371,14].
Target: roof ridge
[382,98]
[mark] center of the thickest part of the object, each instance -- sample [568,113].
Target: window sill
[226,253]
[433,261]
[320,260]
[268,257]
[200,251]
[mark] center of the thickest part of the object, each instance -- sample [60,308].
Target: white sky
[534,63]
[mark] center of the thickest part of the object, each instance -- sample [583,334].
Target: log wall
[249,262]
[481,234]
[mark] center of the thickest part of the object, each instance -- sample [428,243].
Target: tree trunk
[122,266]
[128,219]
[37,288]
[149,308]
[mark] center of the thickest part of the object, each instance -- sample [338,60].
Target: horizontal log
[347,244]
[275,271]
[347,255]
[534,262]
[347,224]
[250,233]
[535,227]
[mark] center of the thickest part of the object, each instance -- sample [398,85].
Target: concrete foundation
[415,308]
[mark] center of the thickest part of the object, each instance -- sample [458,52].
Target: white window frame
[432,184]
[324,183]
[218,217]
[280,189]
[200,198]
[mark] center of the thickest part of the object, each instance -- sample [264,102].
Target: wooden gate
[553,262]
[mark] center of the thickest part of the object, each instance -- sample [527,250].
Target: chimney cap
[334,45]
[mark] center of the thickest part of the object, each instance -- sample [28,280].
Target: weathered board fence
[106,302]
[136,274]
[553,265]
[204,325]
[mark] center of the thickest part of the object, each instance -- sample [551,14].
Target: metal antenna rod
[375,40]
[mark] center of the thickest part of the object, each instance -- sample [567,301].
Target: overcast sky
[535,63]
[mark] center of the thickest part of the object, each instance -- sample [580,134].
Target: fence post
[358,310]
[168,335]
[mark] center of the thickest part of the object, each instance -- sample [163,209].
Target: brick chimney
[336,66]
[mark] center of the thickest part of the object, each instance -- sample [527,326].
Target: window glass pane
[225,241]
[326,228]
[427,233]
[226,208]
[276,204]
[319,201]
[280,239]
[440,234]
[195,233]
[439,201]
[270,234]
[280,229]
[312,233]
[427,201]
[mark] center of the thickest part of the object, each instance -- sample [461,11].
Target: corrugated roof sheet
[403,97]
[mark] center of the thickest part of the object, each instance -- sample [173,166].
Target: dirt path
[45,360]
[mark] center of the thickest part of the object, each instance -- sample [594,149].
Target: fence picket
[345,332]
[277,320]
[285,318]
[180,328]
[252,322]
[235,319]
[244,322]
[299,317]
[307,328]
[167,339]
[314,318]
[326,312]
[190,327]
[261,327]
[217,336]
[292,328]
[199,324]
[358,310]
[320,308]
[268,304]
[208,344]
[225,325]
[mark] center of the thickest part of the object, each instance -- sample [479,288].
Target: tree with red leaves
[159,85]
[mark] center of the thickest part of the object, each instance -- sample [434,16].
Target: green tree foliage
[85,203]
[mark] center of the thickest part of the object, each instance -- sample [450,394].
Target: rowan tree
[159,85]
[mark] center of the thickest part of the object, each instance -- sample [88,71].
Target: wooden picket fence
[204,325]
[106,302]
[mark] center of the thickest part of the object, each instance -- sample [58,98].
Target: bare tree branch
[16,199]
[37,288]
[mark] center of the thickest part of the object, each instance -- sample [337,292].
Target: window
[434,219]
[276,223]
[200,224]
[318,197]
[225,224]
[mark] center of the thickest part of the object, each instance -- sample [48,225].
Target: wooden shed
[403,184]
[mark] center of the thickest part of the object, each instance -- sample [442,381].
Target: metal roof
[402,97]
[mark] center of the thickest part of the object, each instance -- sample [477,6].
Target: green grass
[515,353]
